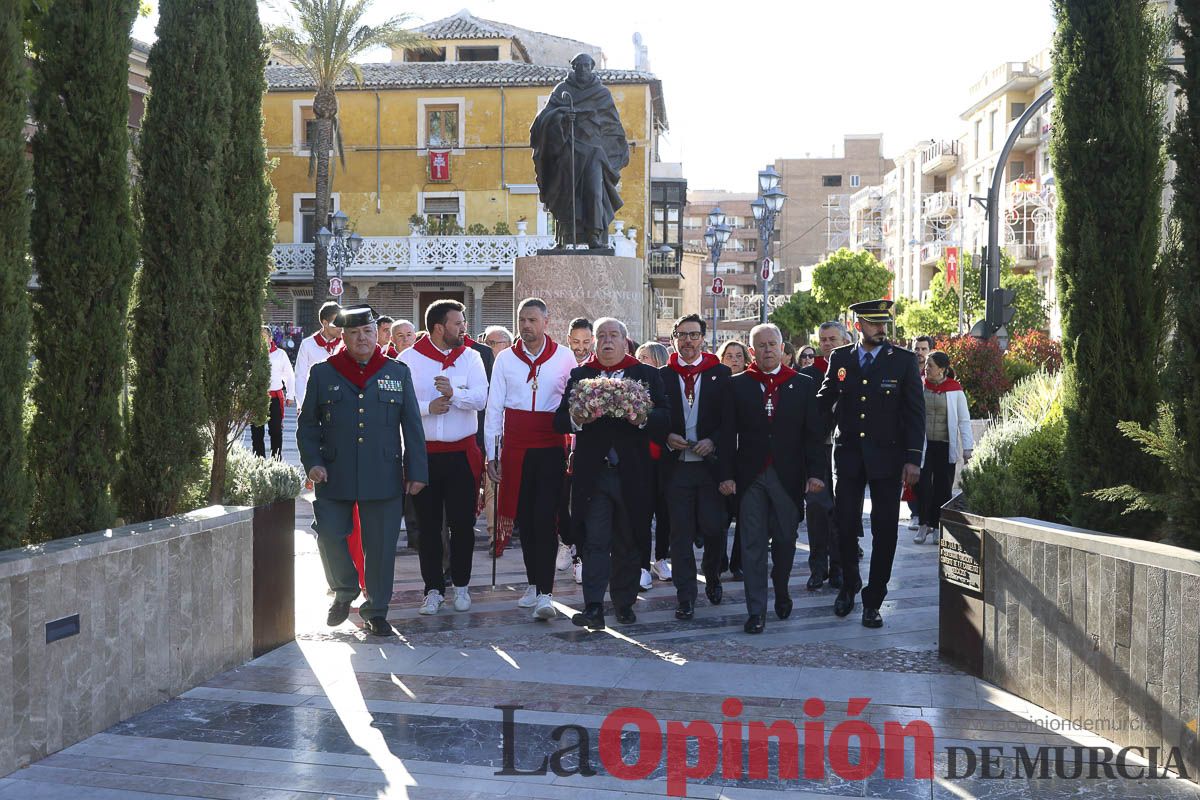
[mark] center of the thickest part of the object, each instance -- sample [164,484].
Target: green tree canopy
[848,277]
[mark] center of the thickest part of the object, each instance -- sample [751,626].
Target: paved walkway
[340,714]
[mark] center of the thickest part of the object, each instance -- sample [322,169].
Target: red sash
[625,363]
[351,371]
[391,351]
[523,430]
[279,395]
[547,351]
[468,445]
[426,348]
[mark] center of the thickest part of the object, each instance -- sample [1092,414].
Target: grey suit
[355,434]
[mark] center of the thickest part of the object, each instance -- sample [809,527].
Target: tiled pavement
[340,714]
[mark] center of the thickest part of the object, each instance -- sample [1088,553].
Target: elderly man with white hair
[773,417]
[611,498]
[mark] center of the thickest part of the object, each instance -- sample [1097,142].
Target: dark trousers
[770,518]
[275,427]
[885,516]
[451,491]
[697,510]
[823,550]
[937,481]
[609,552]
[661,530]
[333,520]
[542,480]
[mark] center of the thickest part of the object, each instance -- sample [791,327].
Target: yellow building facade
[447,141]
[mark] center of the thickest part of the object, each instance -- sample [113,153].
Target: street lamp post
[768,205]
[340,245]
[715,238]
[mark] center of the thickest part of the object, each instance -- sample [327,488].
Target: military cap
[873,310]
[355,317]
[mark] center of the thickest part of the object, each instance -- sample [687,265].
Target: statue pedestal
[588,286]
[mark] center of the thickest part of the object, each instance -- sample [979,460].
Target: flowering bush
[593,398]
[979,365]
[1038,349]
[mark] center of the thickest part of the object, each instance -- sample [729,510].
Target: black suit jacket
[713,391]
[632,444]
[793,438]
[489,358]
[879,413]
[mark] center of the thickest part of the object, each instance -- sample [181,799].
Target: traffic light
[1000,309]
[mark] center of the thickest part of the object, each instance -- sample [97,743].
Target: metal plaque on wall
[958,557]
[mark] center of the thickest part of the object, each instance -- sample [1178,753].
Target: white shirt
[469,381]
[511,388]
[691,412]
[310,353]
[282,375]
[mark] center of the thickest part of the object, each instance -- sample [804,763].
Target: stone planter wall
[1094,628]
[160,607]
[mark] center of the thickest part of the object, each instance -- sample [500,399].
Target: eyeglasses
[695,336]
[806,357]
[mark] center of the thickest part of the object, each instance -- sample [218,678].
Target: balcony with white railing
[1030,136]
[419,256]
[939,158]
[940,204]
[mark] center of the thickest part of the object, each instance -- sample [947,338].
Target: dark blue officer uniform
[355,434]
[879,410]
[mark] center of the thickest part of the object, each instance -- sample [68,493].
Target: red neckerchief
[625,363]
[391,351]
[821,363]
[547,351]
[425,347]
[468,341]
[771,383]
[350,369]
[329,344]
[689,372]
[271,347]
[947,385]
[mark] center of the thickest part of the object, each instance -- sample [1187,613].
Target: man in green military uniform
[873,390]
[356,405]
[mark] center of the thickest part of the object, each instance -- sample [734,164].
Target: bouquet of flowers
[593,398]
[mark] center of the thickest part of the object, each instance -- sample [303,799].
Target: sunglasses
[807,356]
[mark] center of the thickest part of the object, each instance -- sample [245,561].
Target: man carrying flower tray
[614,405]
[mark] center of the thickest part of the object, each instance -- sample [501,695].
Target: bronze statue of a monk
[578,184]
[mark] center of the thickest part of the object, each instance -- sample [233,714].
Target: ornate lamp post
[341,246]
[715,238]
[765,209]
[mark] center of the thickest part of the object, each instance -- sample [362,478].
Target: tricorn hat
[873,310]
[355,317]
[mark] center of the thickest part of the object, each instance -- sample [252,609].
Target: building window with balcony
[440,124]
[1015,110]
[443,212]
[670,307]
[831,180]
[1016,169]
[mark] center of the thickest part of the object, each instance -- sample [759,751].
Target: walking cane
[495,514]
[571,127]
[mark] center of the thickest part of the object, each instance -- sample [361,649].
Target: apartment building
[737,266]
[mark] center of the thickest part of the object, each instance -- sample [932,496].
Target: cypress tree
[1183,376]
[84,248]
[182,160]
[14,275]
[237,371]
[1106,148]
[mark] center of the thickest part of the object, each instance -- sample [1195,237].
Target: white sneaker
[661,569]
[462,598]
[913,523]
[545,607]
[433,602]
[563,560]
[529,599]
[578,570]
[646,581]
[922,533]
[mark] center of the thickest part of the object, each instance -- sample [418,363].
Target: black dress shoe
[625,615]
[592,617]
[815,581]
[714,591]
[685,611]
[871,618]
[338,612]
[736,575]
[783,605]
[754,624]
[844,603]
[378,626]
[835,579]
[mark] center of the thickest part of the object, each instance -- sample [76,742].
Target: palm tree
[324,37]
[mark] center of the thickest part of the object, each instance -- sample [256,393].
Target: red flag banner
[439,165]
[952,267]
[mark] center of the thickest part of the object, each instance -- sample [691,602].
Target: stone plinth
[583,286]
